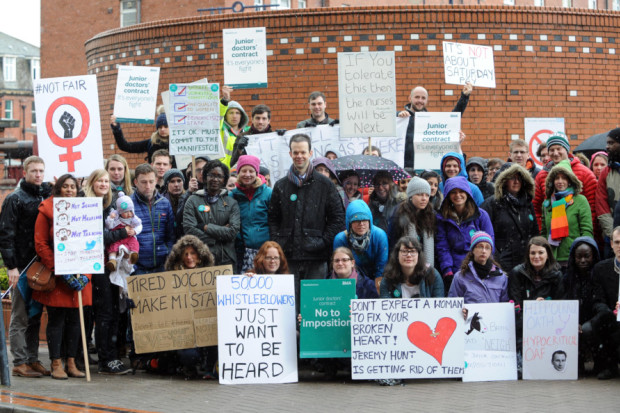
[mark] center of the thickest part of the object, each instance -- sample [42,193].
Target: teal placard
[325,330]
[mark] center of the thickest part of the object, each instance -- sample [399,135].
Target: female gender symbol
[70,157]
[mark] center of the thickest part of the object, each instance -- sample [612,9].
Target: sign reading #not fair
[468,63]
[136,94]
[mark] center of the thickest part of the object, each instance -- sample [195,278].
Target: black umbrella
[593,144]
[367,166]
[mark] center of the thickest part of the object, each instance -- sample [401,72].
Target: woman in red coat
[63,325]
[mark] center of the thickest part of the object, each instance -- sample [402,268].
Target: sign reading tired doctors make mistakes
[468,63]
[436,133]
[194,119]
[367,94]
[136,94]
[245,57]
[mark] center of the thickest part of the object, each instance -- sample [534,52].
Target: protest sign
[326,322]
[273,150]
[175,309]
[245,57]
[490,347]
[136,94]
[68,108]
[468,63]
[537,130]
[256,320]
[78,236]
[367,94]
[550,339]
[194,119]
[407,338]
[436,133]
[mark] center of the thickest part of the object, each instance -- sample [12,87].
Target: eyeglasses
[272,258]
[341,260]
[211,176]
[408,253]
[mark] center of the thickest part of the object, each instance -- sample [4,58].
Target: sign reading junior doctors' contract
[257,339]
[245,57]
[407,338]
[436,133]
[136,94]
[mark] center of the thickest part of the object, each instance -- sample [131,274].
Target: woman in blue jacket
[368,242]
[253,196]
[458,219]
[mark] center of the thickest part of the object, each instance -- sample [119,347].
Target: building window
[616,5]
[130,12]
[8,67]
[8,109]
[301,4]
[509,2]
[284,5]
[592,4]
[567,3]
[259,3]
[33,112]
[35,68]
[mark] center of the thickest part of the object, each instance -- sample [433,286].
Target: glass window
[301,4]
[592,4]
[8,67]
[284,5]
[35,68]
[567,3]
[130,12]
[34,114]
[8,109]
[509,2]
[616,5]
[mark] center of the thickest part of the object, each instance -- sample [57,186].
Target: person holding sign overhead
[418,99]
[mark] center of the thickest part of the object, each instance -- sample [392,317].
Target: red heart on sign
[433,343]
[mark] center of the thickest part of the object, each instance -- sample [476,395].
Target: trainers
[114,367]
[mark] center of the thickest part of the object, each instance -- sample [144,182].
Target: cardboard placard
[407,338]
[468,63]
[326,323]
[367,94]
[550,339]
[175,309]
[257,339]
[78,235]
[436,133]
[69,128]
[490,345]
[136,94]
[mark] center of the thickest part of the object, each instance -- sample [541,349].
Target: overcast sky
[22,19]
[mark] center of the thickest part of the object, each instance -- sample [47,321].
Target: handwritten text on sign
[68,112]
[194,119]
[256,329]
[550,340]
[468,63]
[367,94]
[78,236]
[406,338]
[175,309]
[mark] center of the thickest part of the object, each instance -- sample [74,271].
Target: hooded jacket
[521,285]
[175,259]
[512,217]
[486,188]
[150,145]
[311,122]
[474,190]
[384,212]
[373,260]
[461,105]
[453,239]
[607,196]
[474,290]
[227,134]
[254,214]
[578,288]
[578,214]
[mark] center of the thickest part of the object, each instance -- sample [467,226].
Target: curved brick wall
[549,62]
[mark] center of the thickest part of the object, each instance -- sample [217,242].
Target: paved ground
[145,392]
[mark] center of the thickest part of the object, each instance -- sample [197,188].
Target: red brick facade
[549,63]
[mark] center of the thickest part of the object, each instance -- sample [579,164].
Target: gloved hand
[242,142]
[76,282]
[281,132]
[334,122]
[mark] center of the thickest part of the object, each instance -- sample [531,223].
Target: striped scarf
[294,177]
[559,219]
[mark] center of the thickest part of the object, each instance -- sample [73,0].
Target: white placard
[367,94]
[78,236]
[69,128]
[136,94]
[537,130]
[490,347]
[468,63]
[257,340]
[273,150]
[194,119]
[407,338]
[550,339]
[245,57]
[436,133]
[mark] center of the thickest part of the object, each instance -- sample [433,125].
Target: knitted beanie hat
[418,185]
[250,160]
[481,236]
[558,138]
[161,121]
[172,173]
[123,203]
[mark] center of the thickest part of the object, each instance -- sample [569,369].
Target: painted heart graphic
[433,343]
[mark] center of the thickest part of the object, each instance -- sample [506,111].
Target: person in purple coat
[480,279]
[458,219]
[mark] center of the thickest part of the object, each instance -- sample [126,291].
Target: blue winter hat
[161,121]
